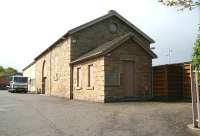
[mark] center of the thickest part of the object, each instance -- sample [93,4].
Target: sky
[27,27]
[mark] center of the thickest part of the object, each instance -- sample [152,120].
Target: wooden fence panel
[168,81]
[187,82]
[159,82]
[172,81]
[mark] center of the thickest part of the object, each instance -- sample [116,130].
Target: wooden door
[44,85]
[128,78]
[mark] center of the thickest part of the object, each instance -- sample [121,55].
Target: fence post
[194,98]
[197,92]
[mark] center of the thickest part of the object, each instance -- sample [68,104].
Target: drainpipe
[151,81]
[71,67]
[71,81]
[50,74]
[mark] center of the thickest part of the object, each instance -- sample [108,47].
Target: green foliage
[7,71]
[10,70]
[196,54]
[2,70]
[183,4]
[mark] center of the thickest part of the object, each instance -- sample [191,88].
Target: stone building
[103,60]
[29,71]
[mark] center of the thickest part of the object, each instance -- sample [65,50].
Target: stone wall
[95,93]
[143,66]
[39,64]
[95,35]
[57,70]
[30,73]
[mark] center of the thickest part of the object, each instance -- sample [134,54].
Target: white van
[18,83]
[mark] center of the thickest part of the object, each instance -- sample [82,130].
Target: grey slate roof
[110,14]
[109,46]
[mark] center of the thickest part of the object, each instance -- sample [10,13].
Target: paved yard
[37,115]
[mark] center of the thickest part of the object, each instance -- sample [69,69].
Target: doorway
[44,78]
[44,84]
[128,78]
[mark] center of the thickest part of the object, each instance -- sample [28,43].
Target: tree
[196,53]
[183,4]
[10,71]
[195,91]
[2,70]
[7,71]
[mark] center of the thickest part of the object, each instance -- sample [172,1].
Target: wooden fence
[172,81]
[186,81]
[168,81]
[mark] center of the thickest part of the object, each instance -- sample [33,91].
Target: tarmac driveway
[37,115]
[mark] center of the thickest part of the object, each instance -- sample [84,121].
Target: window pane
[20,79]
[90,75]
[78,77]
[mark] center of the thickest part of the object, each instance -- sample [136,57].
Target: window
[90,75]
[21,79]
[113,27]
[78,77]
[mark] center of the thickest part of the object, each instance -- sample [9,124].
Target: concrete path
[37,115]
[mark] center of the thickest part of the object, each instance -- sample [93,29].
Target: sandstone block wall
[57,70]
[83,92]
[30,73]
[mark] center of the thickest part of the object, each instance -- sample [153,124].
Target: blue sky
[27,27]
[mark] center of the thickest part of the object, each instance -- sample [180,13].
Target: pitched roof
[111,45]
[81,27]
[110,14]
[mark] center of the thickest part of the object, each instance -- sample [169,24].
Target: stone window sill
[112,85]
[78,88]
[90,88]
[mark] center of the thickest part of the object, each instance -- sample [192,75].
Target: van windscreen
[20,79]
